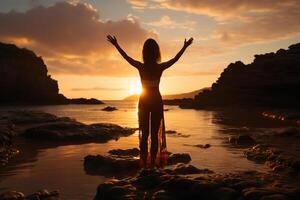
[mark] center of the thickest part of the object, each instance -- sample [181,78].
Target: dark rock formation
[7,150]
[17,117]
[84,101]
[24,79]
[271,80]
[161,185]
[202,146]
[123,163]
[109,166]
[73,131]
[41,194]
[179,158]
[125,152]
[274,158]
[109,108]
[175,133]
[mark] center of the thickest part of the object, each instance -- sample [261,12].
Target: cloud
[99,89]
[244,22]
[166,22]
[72,37]
[138,4]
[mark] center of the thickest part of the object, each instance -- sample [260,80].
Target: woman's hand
[188,43]
[112,39]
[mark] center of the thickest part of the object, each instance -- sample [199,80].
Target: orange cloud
[166,22]
[244,22]
[72,37]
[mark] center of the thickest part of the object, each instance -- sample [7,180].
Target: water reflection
[61,167]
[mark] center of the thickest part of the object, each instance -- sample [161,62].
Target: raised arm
[134,63]
[169,63]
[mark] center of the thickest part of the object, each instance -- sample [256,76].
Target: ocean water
[61,167]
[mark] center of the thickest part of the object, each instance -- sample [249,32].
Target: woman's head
[151,52]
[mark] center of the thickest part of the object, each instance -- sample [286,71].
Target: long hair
[151,51]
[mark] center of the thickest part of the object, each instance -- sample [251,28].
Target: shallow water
[61,168]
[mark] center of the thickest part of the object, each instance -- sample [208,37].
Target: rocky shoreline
[41,126]
[179,179]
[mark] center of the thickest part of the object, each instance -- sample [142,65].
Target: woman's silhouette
[150,107]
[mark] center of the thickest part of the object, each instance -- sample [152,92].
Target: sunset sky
[71,38]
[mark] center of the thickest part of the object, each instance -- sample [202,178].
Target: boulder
[124,163]
[109,108]
[125,152]
[77,132]
[30,117]
[185,169]
[91,101]
[110,165]
[179,158]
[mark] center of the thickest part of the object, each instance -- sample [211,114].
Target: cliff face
[24,78]
[272,80]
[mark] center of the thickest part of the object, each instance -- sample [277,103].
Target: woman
[150,107]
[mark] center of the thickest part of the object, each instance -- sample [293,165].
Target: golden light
[135,89]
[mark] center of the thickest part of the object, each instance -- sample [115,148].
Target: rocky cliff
[271,80]
[24,79]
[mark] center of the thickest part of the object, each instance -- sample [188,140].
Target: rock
[7,150]
[274,197]
[11,195]
[160,184]
[161,195]
[175,133]
[41,194]
[179,158]
[110,165]
[149,179]
[203,146]
[34,86]
[125,152]
[122,164]
[109,191]
[184,169]
[77,132]
[31,117]
[255,193]
[275,159]
[241,140]
[91,101]
[24,79]
[171,132]
[275,75]
[44,194]
[109,108]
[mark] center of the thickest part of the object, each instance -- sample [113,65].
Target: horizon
[70,36]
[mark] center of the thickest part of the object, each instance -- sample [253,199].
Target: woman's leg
[156,118]
[144,127]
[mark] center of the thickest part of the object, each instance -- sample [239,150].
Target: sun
[135,89]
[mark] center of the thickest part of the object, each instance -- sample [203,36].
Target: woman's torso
[150,78]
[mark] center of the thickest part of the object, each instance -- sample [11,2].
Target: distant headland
[24,79]
[271,80]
